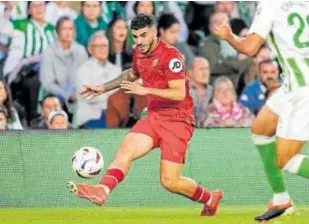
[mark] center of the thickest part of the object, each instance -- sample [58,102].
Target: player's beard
[150,46]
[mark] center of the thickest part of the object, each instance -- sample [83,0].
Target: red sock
[112,178]
[201,195]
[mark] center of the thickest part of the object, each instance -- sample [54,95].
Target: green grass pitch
[183,215]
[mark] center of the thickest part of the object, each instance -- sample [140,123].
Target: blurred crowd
[49,50]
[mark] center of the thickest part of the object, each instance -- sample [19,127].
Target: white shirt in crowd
[54,12]
[92,72]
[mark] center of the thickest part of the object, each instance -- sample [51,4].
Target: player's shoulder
[170,50]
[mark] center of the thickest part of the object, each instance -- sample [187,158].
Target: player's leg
[263,131]
[289,158]
[292,133]
[175,137]
[171,179]
[136,145]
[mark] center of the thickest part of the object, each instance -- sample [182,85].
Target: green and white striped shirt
[286,24]
[29,39]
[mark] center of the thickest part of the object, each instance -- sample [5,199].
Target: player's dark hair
[267,61]
[48,96]
[136,5]
[166,21]
[142,20]
[61,21]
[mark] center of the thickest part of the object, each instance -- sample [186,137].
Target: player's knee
[258,129]
[281,161]
[169,184]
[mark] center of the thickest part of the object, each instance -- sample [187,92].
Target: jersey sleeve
[264,18]
[174,67]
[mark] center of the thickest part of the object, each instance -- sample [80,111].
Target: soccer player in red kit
[169,124]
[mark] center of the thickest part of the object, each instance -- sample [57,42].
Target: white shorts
[277,101]
[293,110]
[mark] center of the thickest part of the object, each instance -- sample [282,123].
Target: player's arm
[130,75]
[248,45]
[174,72]
[259,30]
[175,92]
[90,92]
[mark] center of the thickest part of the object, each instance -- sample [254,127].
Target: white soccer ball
[87,162]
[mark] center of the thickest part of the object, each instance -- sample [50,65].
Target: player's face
[225,93]
[91,10]
[67,31]
[37,10]
[269,73]
[145,7]
[49,105]
[170,35]
[200,72]
[120,31]
[59,122]
[99,48]
[3,121]
[144,38]
[3,93]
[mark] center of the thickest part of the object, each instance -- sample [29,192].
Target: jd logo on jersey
[175,65]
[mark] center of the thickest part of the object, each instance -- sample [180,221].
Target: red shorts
[171,136]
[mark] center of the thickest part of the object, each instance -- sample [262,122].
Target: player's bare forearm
[248,45]
[127,75]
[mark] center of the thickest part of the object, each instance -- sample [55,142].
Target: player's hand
[223,31]
[134,88]
[90,92]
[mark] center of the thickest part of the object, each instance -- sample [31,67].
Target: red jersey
[164,64]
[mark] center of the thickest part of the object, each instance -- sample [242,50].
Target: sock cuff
[262,140]
[198,193]
[294,164]
[116,173]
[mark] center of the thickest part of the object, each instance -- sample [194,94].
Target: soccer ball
[87,162]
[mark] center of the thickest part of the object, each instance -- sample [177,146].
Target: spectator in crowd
[225,111]
[200,90]
[13,10]
[145,7]
[61,61]
[6,33]
[111,10]
[243,10]
[174,8]
[221,55]
[96,70]
[6,100]
[140,7]
[89,21]
[31,36]
[119,52]
[49,103]
[169,29]
[251,72]
[57,9]
[3,118]
[58,120]
[255,94]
